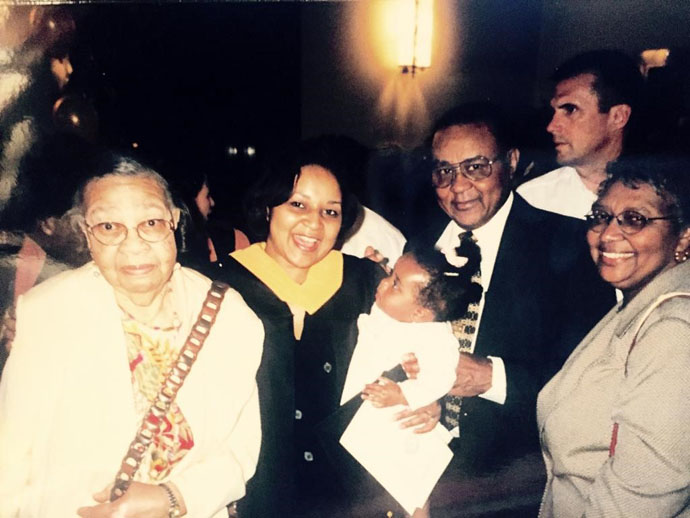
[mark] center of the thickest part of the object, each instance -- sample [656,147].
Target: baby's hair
[450,289]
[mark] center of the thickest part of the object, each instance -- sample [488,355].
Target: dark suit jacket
[545,295]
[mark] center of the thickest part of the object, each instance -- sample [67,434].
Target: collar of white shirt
[488,238]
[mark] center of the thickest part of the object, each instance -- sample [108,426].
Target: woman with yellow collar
[309,297]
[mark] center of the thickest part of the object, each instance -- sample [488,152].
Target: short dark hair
[617,78]
[276,184]
[450,290]
[669,176]
[481,113]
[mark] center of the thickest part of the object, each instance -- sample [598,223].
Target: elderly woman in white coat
[92,348]
[615,421]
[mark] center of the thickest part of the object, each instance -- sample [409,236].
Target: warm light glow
[414,22]
[370,54]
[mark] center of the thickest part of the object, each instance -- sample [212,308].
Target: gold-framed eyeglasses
[476,168]
[111,233]
[629,221]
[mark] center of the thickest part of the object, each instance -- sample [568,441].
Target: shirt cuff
[497,392]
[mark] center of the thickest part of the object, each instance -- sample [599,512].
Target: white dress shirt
[561,191]
[488,239]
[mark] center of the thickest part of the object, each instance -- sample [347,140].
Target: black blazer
[545,295]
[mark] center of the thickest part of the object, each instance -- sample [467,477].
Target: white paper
[406,464]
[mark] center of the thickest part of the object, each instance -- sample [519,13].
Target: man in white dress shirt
[541,291]
[594,98]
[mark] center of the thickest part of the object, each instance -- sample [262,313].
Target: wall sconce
[653,58]
[415,23]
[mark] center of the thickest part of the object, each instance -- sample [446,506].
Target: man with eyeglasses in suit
[541,291]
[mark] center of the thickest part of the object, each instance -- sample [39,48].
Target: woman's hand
[425,418]
[374,255]
[384,393]
[140,501]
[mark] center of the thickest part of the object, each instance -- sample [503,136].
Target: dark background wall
[490,49]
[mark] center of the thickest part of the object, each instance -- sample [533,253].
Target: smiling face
[471,203]
[629,262]
[137,270]
[304,229]
[398,294]
[582,135]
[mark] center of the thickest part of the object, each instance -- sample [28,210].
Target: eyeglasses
[111,233]
[629,221]
[476,168]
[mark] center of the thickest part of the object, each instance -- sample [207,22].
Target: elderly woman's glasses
[476,168]
[629,221]
[111,233]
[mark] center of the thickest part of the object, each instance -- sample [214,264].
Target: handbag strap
[150,424]
[660,300]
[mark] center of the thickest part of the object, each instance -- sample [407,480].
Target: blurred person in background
[207,242]
[34,70]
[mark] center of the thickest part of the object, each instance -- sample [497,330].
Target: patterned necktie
[463,329]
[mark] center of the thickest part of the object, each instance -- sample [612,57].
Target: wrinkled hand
[374,255]
[424,418]
[140,501]
[410,365]
[473,375]
[383,393]
[8,328]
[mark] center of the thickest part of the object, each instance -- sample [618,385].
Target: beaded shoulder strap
[150,425]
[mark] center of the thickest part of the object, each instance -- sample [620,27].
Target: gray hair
[123,167]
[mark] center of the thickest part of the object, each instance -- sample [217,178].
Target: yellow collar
[323,279]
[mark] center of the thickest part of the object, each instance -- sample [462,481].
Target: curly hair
[450,289]
[669,176]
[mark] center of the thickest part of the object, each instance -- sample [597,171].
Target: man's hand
[424,418]
[384,393]
[473,375]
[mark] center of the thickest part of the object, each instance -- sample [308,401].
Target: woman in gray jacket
[615,421]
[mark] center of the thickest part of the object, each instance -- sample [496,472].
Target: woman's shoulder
[73,281]
[356,293]
[365,270]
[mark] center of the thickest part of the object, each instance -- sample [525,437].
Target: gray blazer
[649,475]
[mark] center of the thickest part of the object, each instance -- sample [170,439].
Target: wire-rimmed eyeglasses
[629,221]
[476,168]
[112,233]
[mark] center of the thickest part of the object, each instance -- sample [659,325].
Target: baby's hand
[384,393]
